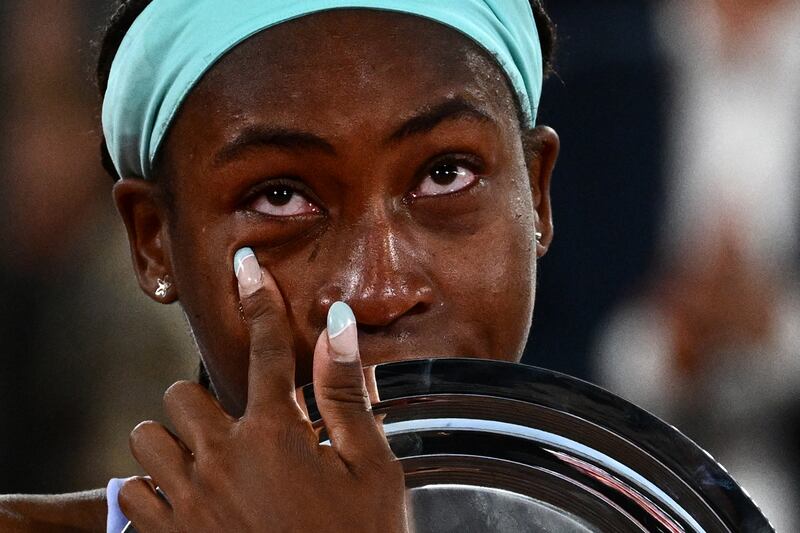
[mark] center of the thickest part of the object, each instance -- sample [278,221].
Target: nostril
[418,308]
[368,329]
[373,328]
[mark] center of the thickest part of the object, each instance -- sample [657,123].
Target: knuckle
[181,386]
[144,433]
[386,468]
[259,305]
[277,350]
[350,397]
[211,463]
[180,391]
[294,441]
[283,427]
[130,492]
[180,497]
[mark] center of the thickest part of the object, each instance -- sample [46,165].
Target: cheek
[488,278]
[202,264]
[306,316]
[208,295]
[502,276]
[511,271]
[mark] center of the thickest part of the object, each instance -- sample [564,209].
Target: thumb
[341,392]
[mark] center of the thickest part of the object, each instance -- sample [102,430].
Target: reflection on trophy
[491,446]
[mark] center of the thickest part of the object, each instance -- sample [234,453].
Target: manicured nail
[342,333]
[248,271]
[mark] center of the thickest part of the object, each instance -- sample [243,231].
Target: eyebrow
[274,137]
[426,120]
[298,140]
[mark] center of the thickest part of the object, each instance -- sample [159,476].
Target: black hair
[126,13]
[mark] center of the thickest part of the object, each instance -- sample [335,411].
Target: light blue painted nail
[339,317]
[240,256]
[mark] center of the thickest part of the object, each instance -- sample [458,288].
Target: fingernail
[342,333]
[248,271]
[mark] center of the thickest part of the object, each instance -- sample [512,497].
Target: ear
[144,211]
[541,149]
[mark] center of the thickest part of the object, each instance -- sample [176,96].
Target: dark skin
[380,162]
[425,277]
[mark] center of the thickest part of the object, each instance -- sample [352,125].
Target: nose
[384,277]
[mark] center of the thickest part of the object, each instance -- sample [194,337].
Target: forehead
[349,69]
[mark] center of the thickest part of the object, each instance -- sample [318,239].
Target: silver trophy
[489,446]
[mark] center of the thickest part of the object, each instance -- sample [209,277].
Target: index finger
[271,368]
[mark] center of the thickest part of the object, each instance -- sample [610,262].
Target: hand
[266,470]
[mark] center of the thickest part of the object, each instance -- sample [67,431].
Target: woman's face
[369,157]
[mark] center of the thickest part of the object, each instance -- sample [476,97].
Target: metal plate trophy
[490,446]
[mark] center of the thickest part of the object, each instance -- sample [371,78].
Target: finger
[195,414]
[141,505]
[161,455]
[271,371]
[341,393]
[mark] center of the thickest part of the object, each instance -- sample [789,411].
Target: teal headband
[174,42]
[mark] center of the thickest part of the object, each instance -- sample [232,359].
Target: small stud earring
[164,285]
[538,236]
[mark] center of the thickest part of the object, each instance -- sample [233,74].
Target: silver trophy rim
[422,380]
[419,383]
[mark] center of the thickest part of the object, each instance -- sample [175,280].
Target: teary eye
[282,200]
[443,178]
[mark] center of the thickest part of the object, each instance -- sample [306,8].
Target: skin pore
[358,128]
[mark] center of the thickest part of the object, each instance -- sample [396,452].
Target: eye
[282,200]
[445,177]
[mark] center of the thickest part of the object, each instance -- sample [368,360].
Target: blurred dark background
[672,281]
[83,354]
